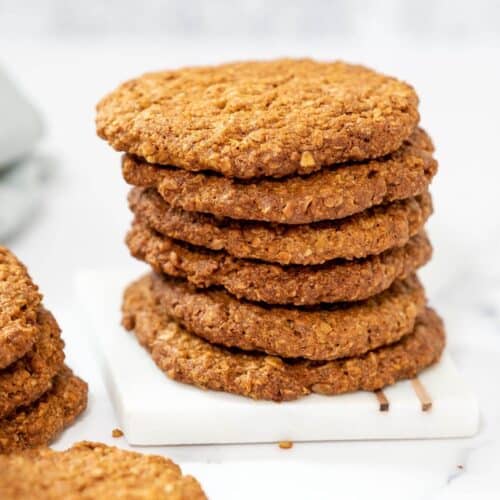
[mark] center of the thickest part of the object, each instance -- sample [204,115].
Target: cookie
[188,358]
[332,193]
[368,233]
[253,119]
[30,376]
[93,470]
[19,301]
[335,281]
[324,332]
[39,423]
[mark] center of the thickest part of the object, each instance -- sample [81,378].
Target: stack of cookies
[39,395]
[281,206]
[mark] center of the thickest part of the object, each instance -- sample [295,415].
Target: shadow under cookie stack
[281,206]
[39,395]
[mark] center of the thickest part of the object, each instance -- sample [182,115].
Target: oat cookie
[187,358]
[323,332]
[39,423]
[368,233]
[91,471]
[19,301]
[334,281]
[30,376]
[332,193]
[251,119]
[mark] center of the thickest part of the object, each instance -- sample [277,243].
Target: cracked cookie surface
[251,119]
[334,281]
[187,358]
[19,301]
[39,423]
[368,233]
[93,470]
[332,193]
[30,376]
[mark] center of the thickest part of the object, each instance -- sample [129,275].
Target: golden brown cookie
[39,423]
[323,332]
[332,193]
[334,281]
[19,301]
[251,119]
[30,376]
[94,471]
[187,358]
[368,233]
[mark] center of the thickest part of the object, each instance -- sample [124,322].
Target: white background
[66,55]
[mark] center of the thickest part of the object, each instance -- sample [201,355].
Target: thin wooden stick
[422,394]
[382,400]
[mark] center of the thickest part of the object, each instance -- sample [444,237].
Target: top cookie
[19,301]
[254,119]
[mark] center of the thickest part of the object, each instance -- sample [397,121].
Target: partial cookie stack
[281,206]
[39,395]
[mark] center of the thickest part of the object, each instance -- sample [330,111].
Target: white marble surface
[84,217]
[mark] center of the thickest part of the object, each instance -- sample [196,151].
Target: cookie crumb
[285,445]
[307,160]
[117,433]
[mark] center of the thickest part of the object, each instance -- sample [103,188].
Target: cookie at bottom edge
[187,358]
[94,470]
[41,422]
